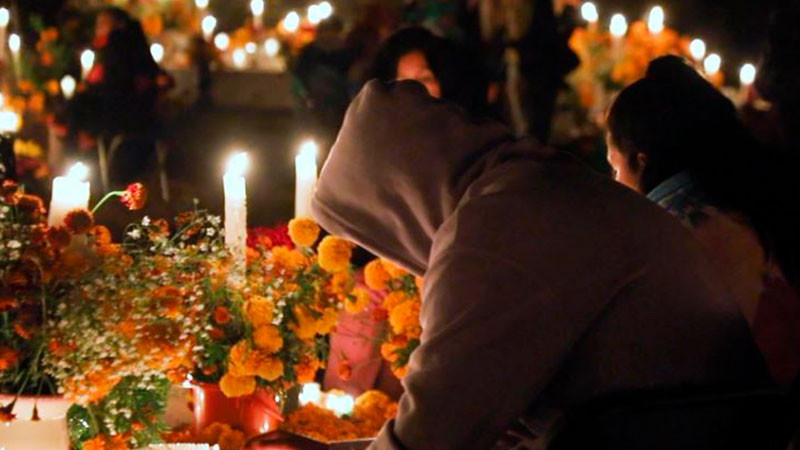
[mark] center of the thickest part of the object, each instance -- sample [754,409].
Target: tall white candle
[15,45]
[305,165]
[69,192]
[257,8]
[236,213]
[5,17]
[68,85]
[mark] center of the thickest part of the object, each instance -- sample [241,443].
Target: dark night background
[735,28]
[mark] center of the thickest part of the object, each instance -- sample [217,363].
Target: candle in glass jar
[306,178]
[70,192]
[236,212]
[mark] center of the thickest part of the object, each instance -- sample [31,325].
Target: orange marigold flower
[334,254]
[79,221]
[237,359]
[53,87]
[161,228]
[58,236]
[341,283]
[8,358]
[222,315]
[233,386]
[31,205]
[357,301]
[231,440]
[404,319]
[134,196]
[282,258]
[395,298]
[268,338]
[345,370]
[305,326]
[258,310]
[268,367]
[303,231]
[306,369]
[376,276]
[394,270]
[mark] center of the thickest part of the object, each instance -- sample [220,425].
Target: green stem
[105,199]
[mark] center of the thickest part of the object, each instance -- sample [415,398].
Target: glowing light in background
[747,74]
[698,49]
[157,50]
[589,12]
[222,41]
[272,46]
[655,20]
[712,64]
[618,26]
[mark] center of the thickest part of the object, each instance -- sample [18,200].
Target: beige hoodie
[546,284]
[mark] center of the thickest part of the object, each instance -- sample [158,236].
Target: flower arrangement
[610,63]
[159,307]
[371,410]
[401,307]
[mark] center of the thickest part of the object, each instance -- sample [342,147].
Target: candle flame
[308,149]
[87,59]
[311,393]
[291,22]
[237,164]
[325,10]
[14,42]
[712,64]
[655,21]
[698,49]
[239,58]
[272,47]
[257,7]
[314,14]
[619,25]
[157,50]
[747,74]
[340,403]
[68,85]
[589,12]
[78,172]
[208,24]
[5,17]
[202,4]
[222,41]
[9,122]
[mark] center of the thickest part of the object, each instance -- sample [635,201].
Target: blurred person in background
[675,138]
[118,97]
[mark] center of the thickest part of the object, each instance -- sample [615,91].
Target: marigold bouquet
[401,307]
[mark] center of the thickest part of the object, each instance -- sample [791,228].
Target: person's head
[110,19]
[674,121]
[668,122]
[446,69]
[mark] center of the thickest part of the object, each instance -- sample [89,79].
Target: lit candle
[222,41]
[257,8]
[157,50]
[87,62]
[590,14]
[201,4]
[236,213]
[5,17]
[314,15]
[712,64]
[697,48]
[208,25]
[240,58]
[15,45]
[747,76]
[271,47]
[340,403]
[310,393]
[68,85]
[9,121]
[291,22]
[325,10]
[655,20]
[618,28]
[250,48]
[70,192]
[305,165]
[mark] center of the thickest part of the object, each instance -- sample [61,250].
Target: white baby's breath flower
[146,221]
[135,233]
[14,244]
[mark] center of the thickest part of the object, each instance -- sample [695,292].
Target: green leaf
[79,425]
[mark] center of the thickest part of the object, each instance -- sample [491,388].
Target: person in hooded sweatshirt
[546,285]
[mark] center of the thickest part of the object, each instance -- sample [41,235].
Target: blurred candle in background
[236,213]
[697,48]
[68,85]
[291,22]
[208,25]
[87,62]
[305,178]
[70,192]
[655,20]
[257,8]
[157,50]
[15,45]
[5,18]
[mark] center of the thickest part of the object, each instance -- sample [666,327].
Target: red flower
[269,237]
[9,188]
[58,236]
[8,303]
[222,315]
[134,197]
[31,206]
[96,74]
[79,221]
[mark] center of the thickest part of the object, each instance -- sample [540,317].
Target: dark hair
[682,123]
[461,75]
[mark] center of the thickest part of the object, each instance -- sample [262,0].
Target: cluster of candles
[340,403]
[72,192]
[711,63]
